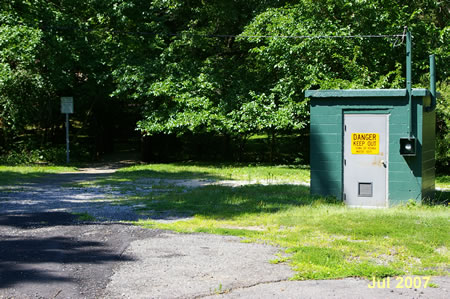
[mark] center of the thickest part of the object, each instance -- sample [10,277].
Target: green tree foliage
[50,49]
[443,128]
[253,83]
[205,67]
[204,83]
[19,79]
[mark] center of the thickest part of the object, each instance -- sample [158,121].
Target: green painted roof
[364,93]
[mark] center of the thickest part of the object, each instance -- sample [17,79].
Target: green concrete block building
[373,148]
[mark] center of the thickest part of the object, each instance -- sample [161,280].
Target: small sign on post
[67,108]
[67,105]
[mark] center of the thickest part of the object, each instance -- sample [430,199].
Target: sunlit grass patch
[443,181]
[216,171]
[234,171]
[323,238]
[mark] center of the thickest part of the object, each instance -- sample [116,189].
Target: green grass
[201,171]
[324,238]
[84,217]
[443,181]
[213,172]
[11,175]
[233,171]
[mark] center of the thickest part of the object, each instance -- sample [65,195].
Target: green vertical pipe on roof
[409,79]
[432,82]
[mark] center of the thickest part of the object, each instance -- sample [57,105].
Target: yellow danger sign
[365,143]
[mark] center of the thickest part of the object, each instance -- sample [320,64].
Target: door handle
[384,163]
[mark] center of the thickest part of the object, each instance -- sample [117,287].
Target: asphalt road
[46,255]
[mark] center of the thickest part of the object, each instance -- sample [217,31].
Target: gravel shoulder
[46,252]
[194,265]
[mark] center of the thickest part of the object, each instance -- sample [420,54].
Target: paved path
[59,193]
[46,253]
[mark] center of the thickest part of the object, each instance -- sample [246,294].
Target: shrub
[442,129]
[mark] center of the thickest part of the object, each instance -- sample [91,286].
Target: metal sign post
[67,108]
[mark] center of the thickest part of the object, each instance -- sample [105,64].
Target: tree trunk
[272,145]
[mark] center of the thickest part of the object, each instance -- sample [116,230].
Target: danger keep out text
[365,143]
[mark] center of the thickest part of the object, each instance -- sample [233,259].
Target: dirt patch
[252,228]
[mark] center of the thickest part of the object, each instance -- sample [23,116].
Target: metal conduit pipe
[432,83]
[409,80]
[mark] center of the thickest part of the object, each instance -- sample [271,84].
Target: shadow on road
[49,247]
[34,220]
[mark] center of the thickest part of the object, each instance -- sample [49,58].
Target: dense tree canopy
[230,68]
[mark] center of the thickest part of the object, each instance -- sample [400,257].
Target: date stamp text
[400,282]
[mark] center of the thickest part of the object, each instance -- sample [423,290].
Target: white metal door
[366,159]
